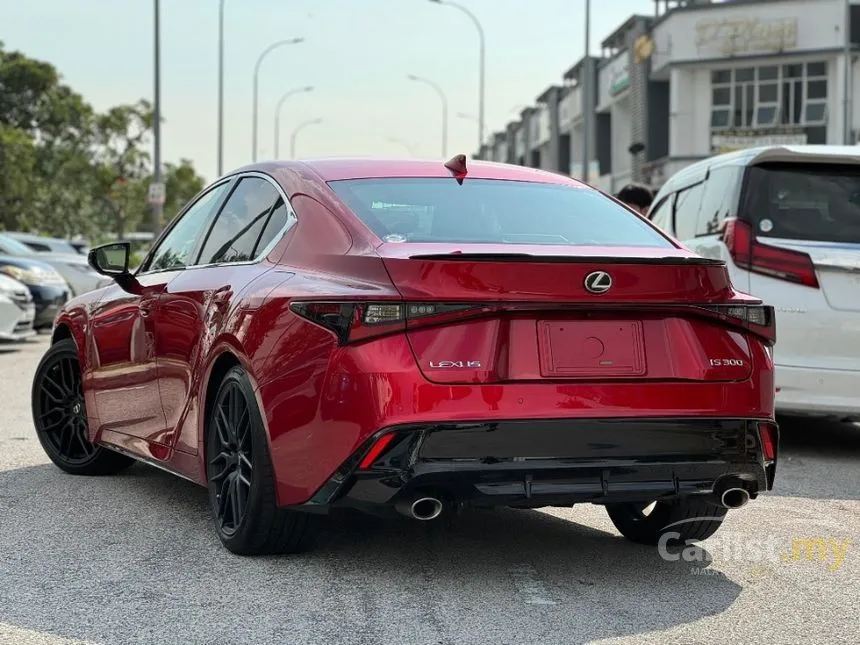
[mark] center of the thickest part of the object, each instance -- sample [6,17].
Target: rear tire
[60,416]
[689,518]
[241,478]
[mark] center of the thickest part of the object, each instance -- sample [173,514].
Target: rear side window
[488,211]
[814,202]
[235,235]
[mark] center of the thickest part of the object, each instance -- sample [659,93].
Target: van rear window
[491,211]
[812,202]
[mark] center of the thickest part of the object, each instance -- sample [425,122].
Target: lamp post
[266,52]
[298,129]
[157,179]
[408,146]
[444,100]
[482,58]
[221,88]
[298,90]
[587,100]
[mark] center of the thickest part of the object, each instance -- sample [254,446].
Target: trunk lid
[509,272]
[537,321]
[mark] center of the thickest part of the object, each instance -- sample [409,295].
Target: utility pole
[586,93]
[156,189]
[848,84]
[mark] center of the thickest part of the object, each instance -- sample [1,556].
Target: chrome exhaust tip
[734,498]
[426,508]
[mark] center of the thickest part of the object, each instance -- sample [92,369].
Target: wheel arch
[71,326]
[225,356]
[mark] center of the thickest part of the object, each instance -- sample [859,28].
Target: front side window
[178,247]
[236,233]
[687,211]
[661,216]
[488,211]
[719,199]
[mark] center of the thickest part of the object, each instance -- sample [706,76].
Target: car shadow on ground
[82,553]
[818,459]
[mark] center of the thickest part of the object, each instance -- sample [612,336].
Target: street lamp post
[298,129]
[444,100]
[298,90]
[481,64]
[221,88]
[266,52]
[408,146]
[587,99]
[158,200]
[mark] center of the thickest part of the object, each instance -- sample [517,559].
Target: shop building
[695,79]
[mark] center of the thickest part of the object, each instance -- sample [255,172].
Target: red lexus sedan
[415,336]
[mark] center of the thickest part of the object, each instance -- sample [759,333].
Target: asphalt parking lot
[133,559]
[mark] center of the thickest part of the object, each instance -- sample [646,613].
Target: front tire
[692,518]
[60,416]
[241,479]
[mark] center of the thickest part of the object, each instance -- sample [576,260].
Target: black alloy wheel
[691,518]
[241,479]
[232,467]
[60,416]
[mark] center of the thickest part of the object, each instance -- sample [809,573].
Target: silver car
[17,310]
[74,268]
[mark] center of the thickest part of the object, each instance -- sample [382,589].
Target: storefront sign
[619,81]
[733,36]
[721,143]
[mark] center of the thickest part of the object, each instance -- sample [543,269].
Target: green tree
[65,170]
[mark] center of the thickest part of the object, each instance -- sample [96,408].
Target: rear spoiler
[566,259]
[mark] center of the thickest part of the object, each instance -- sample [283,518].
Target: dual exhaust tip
[423,508]
[731,493]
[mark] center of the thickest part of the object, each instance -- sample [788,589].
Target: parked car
[407,336]
[81,246]
[42,244]
[74,268]
[49,289]
[17,311]
[786,220]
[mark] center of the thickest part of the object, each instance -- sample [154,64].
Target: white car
[786,220]
[72,266]
[17,310]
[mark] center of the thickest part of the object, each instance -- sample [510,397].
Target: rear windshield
[492,211]
[814,202]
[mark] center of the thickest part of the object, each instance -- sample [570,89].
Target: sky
[356,54]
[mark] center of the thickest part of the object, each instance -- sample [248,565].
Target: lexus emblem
[598,282]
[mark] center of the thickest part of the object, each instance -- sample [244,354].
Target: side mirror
[110,259]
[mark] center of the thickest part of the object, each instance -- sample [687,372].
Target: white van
[786,220]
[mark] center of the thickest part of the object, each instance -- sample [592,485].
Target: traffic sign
[157,194]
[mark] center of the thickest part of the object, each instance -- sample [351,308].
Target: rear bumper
[553,462]
[818,392]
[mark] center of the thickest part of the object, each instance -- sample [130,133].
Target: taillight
[354,321]
[769,436]
[750,254]
[757,319]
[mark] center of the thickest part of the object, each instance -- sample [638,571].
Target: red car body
[523,388]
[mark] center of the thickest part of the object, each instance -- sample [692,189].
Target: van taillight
[750,254]
[355,321]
